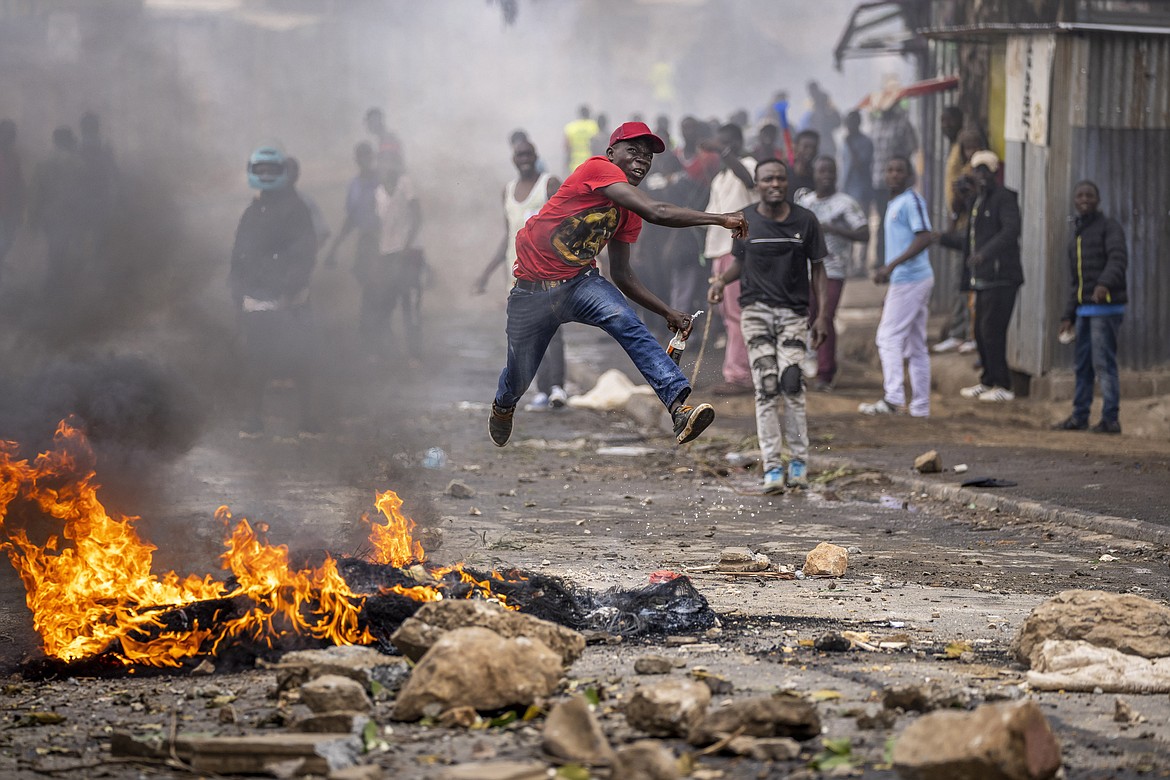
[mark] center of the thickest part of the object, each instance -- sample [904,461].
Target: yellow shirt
[578,134]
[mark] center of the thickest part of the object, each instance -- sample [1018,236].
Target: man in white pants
[901,334]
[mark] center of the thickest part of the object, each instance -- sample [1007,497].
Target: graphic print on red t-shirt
[569,231]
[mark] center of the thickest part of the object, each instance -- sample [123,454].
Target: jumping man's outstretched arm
[670,215]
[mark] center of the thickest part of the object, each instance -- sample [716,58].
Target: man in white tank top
[523,197]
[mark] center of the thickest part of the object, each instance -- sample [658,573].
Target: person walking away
[523,197]
[599,206]
[361,211]
[1097,258]
[11,190]
[783,249]
[843,224]
[579,136]
[992,247]
[395,275]
[272,261]
[732,189]
[901,333]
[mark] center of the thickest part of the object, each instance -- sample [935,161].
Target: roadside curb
[1127,528]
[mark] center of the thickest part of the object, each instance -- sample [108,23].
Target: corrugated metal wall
[1121,140]
[947,264]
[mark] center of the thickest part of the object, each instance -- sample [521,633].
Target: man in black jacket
[272,261]
[991,245]
[1098,258]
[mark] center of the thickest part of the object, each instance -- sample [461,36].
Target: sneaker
[557,397]
[500,424]
[997,394]
[1107,426]
[1071,424]
[808,366]
[690,421]
[798,474]
[774,481]
[974,391]
[967,346]
[538,403]
[821,386]
[878,407]
[946,345]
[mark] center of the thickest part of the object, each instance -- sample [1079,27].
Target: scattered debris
[928,463]
[364,665]
[333,693]
[476,667]
[572,733]
[782,715]
[1081,666]
[832,642]
[497,770]
[1086,639]
[433,620]
[741,559]
[653,664]
[293,754]
[647,759]
[1124,713]
[669,708]
[1012,741]
[459,489]
[926,697]
[826,560]
[960,468]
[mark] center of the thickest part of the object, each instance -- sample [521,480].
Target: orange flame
[393,542]
[90,587]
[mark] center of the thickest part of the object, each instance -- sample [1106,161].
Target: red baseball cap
[628,131]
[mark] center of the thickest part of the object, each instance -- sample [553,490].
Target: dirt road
[592,498]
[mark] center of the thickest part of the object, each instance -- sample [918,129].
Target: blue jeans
[1097,357]
[534,316]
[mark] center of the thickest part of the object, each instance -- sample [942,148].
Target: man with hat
[557,279]
[991,245]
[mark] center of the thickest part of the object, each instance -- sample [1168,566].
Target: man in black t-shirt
[773,268]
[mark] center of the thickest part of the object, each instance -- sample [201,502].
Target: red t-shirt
[569,231]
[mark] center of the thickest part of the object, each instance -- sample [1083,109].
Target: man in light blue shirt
[901,334]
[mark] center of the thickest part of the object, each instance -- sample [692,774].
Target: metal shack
[1070,90]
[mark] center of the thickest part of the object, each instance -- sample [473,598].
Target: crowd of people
[777,278]
[764,219]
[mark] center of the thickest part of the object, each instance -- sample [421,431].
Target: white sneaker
[998,394]
[974,391]
[557,397]
[538,403]
[808,366]
[967,346]
[878,407]
[946,345]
